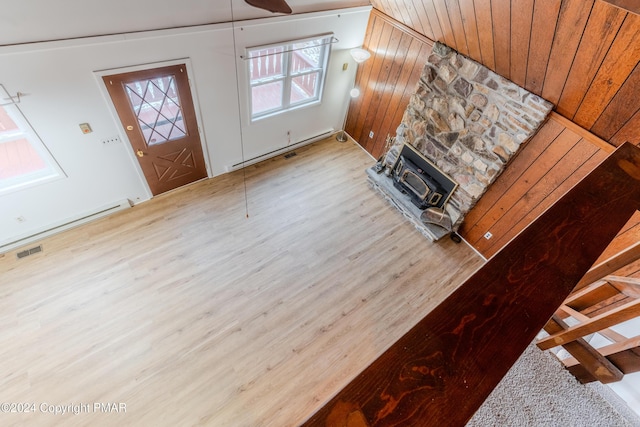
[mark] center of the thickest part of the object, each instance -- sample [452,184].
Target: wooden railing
[599,302]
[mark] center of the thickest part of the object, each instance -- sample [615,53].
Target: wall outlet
[111,140]
[488,235]
[371,134]
[21,219]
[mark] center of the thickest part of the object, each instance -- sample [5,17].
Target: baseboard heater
[274,153]
[66,225]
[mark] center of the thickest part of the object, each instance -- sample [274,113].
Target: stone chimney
[469,121]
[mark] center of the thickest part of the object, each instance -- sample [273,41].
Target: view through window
[156,104]
[287,75]
[23,158]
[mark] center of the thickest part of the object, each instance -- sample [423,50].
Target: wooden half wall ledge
[443,369]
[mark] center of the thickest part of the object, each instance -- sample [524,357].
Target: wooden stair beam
[611,265]
[607,305]
[611,335]
[441,371]
[598,366]
[608,350]
[590,295]
[584,292]
[630,286]
[613,317]
[570,312]
[633,281]
[628,361]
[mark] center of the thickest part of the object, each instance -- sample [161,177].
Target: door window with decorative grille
[156,105]
[287,75]
[24,160]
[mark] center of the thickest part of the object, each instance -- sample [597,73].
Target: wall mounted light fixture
[359,55]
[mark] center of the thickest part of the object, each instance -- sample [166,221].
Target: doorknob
[140,153]
[129,127]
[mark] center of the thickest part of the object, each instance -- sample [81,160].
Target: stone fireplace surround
[467,120]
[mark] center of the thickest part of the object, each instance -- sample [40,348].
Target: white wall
[629,388]
[63,90]
[271,133]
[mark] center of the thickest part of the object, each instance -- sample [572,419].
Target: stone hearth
[469,121]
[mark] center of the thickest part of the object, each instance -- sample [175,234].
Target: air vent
[290,154]
[31,251]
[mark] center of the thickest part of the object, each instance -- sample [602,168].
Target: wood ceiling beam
[441,371]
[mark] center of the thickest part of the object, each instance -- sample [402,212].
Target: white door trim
[122,132]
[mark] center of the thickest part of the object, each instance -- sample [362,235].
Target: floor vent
[27,252]
[290,154]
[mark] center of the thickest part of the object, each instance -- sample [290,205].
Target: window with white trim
[287,75]
[24,160]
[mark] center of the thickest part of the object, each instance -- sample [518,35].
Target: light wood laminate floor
[190,313]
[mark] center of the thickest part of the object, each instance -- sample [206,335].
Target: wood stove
[425,184]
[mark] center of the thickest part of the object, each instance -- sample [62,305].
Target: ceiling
[24,22]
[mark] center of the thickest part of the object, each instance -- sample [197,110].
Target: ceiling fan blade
[275,6]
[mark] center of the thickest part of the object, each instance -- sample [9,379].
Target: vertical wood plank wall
[560,154]
[386,81]
[552,162]
[582,55]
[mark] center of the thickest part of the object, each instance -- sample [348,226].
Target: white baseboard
[270,154]
[65,225]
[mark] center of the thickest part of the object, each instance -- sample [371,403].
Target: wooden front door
[156,110]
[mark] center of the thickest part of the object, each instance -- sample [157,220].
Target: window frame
[288,48]
[52,171]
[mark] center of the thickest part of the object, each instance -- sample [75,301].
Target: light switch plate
[85,128]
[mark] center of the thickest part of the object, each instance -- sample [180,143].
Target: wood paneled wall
[386,81]
[554,160]
[551,163]
[582,55]
[558,156]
